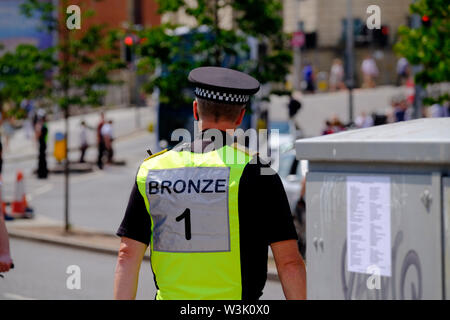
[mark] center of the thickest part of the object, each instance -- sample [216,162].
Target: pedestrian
[336,124]
[337,76]
[107,135]
[84,145]
[364,120]
[309,77]
[8,130]
[209,209]
[328,128]
[100,141]
[370,72]
[294,106]
[42,137]
[6,262]
[402,71]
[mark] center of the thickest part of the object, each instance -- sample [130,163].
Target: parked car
[285,136]
[291,172]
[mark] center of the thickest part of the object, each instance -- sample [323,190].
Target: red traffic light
[426,19]
[385,31]
[128,40]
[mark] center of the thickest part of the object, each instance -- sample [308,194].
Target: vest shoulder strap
[241,148]
[156,154]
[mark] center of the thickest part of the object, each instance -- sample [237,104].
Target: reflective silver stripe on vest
[189,208]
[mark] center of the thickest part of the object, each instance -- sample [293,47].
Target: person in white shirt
[370,72]
[107,134]
[337,76]
[364,120]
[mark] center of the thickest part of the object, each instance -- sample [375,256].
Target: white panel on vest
[189,209]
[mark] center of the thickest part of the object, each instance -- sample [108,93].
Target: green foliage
[75,72]
[25,73]
[428,47]
[173,56]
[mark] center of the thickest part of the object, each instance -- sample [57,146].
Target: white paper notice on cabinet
[369,224]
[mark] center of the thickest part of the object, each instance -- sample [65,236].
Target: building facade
[325,17]
[323,22]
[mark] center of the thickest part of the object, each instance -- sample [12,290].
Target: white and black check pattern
[221,96]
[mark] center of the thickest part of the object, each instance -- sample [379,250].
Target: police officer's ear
[195,110]
[241,116]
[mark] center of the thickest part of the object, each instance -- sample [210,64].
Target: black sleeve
[273,205]
[136,223]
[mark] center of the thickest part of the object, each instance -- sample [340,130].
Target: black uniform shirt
[264,218]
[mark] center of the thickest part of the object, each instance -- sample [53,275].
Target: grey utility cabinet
[378,212]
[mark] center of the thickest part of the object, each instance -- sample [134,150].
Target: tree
[86,57]
[174,55]
[429,45]
[24,74]
[83,66]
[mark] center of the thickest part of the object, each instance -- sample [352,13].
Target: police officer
[208,210]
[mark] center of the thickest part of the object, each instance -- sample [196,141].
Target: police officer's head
[221,96]
[212,112]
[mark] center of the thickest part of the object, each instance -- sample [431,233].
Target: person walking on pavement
[209,209]
[309,77]
[107,135]
[293,106]
[100,141]
[403,72]
[337,75]
[42,136]
[84,145]
[370,72]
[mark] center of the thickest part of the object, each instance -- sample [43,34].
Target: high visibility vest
[192,200]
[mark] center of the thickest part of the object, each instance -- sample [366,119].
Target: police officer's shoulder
[156,154]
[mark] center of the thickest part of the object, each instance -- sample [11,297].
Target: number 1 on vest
[187,222]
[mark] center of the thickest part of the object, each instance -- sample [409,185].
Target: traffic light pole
[350,59]
[297,53]
[418,90]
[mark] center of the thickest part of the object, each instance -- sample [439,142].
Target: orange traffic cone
[19,204]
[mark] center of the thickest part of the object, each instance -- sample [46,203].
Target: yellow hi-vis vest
[192,199]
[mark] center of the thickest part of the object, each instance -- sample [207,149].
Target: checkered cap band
[221,96]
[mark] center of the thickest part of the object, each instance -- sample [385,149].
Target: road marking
[38,191]
[87,176]
[13,296]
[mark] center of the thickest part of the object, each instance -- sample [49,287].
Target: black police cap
[223,85]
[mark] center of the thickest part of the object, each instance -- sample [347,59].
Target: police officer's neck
[222,126]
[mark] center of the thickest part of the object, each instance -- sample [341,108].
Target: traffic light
[426,21]
[381,36]
[128,41]
[128,46]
